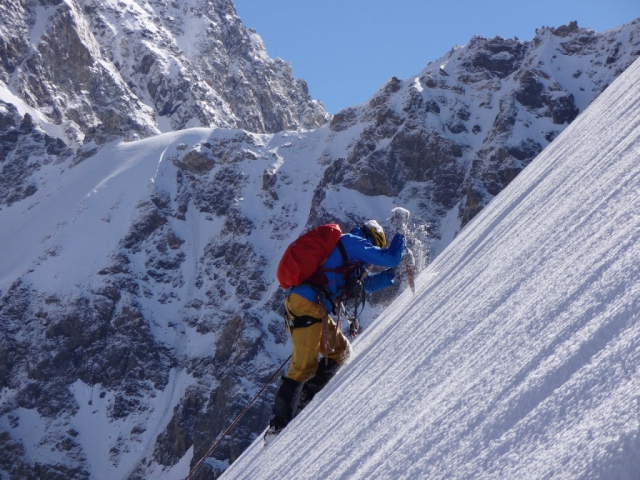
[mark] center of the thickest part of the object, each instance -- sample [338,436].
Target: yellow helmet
[375,233]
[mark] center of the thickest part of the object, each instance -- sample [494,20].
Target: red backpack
[305,255]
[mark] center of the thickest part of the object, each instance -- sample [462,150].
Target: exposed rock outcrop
[129,70]
[174,321]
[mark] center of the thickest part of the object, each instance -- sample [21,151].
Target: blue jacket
[362,251]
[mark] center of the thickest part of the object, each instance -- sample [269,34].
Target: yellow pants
[307,341]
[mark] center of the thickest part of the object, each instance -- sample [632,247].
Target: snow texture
[138,300]
[518,356]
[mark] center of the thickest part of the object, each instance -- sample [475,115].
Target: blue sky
[347,49]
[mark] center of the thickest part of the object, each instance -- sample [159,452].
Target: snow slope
[518,356]
[138,302]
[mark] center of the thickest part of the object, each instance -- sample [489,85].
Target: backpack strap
[347,269]
[343,252]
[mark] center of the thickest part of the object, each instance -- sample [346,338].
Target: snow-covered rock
[456,134]
[139,311]
[137,67]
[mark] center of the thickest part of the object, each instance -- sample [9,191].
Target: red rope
[213,447]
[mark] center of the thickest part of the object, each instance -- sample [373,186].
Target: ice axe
[399,220]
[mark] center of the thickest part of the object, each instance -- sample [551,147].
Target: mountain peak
[107,70]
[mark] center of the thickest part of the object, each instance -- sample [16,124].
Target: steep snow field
[518,355]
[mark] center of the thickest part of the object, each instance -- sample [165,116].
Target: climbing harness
[354,290]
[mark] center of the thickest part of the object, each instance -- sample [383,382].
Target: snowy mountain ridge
[473,119]
[138,306]
[136,67]
[517,357]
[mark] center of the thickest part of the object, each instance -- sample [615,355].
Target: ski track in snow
[517,357]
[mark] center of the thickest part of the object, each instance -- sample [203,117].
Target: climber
[313,332]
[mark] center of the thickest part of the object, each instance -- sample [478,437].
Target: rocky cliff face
[76,74]
[116,69]
[472,120]
[138,317]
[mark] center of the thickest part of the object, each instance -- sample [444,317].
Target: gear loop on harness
[354,290]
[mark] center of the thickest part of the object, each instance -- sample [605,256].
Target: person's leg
[285,404]
[304,363]
[328,366]
[340,348]
[306,349]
